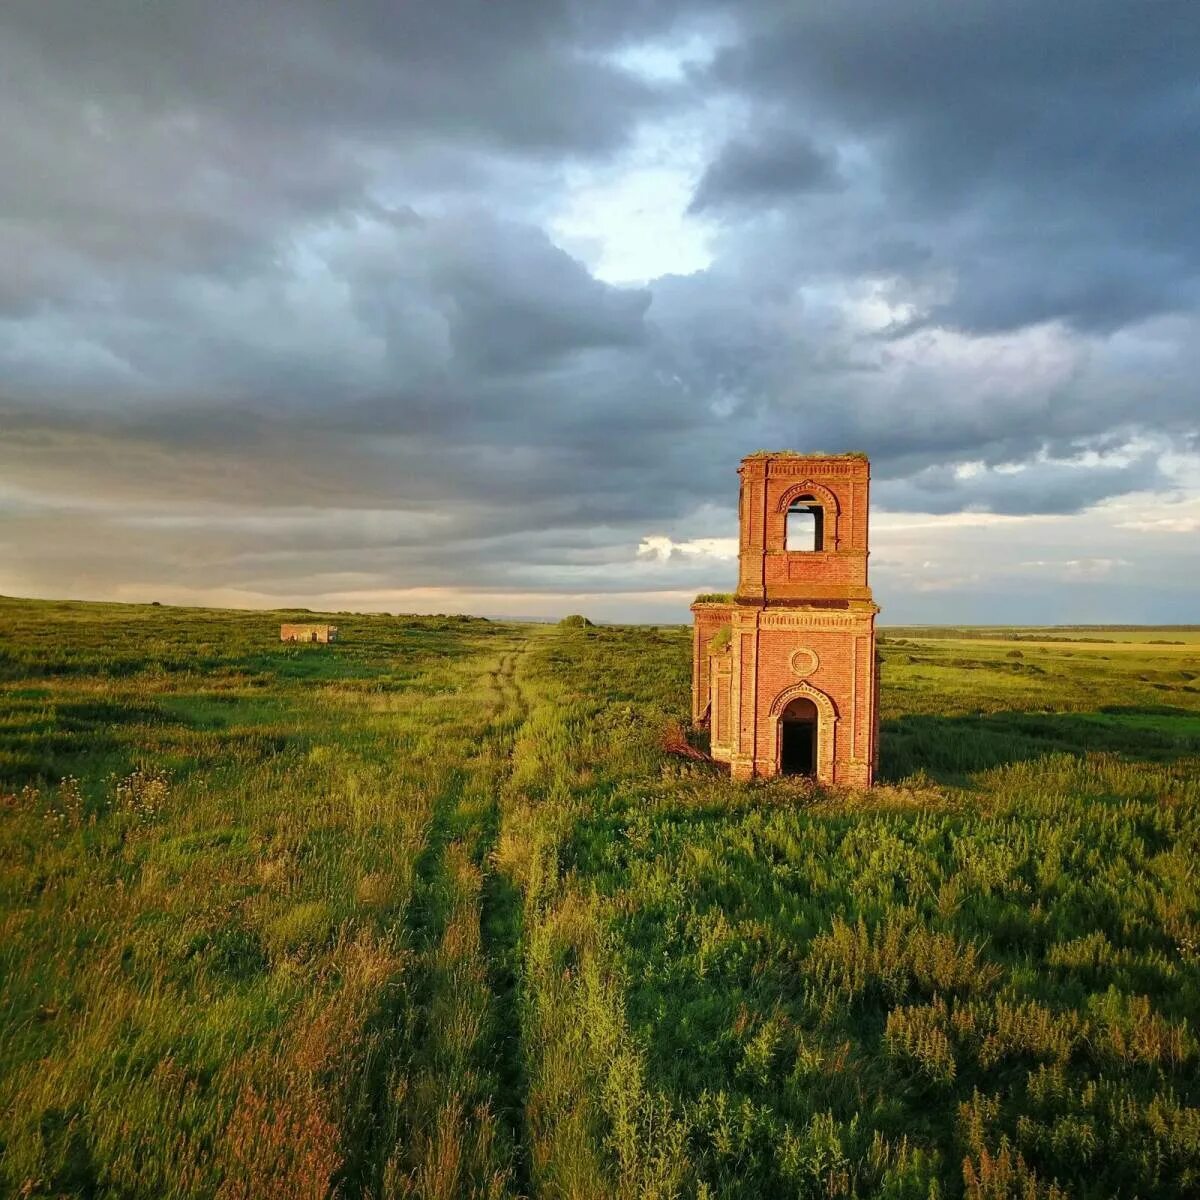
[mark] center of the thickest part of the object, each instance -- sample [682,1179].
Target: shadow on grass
[950,748]
[46,738]
[41,742]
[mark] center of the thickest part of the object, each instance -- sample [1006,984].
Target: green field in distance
[430,912]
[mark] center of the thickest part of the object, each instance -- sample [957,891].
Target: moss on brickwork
[720,640]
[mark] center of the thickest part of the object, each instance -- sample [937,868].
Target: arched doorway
[798,737]
[813,715]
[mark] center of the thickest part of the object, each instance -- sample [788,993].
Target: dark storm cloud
[279,301]
[515,301]
[763,168]
[1048,152]
[189,135]
[470,69]
[1039,487]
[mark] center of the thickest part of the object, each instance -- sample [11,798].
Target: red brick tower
[784,671]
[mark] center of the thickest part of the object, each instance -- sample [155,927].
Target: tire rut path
[464,823]
[500,922]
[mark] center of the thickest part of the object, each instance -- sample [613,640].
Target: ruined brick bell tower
[785,671]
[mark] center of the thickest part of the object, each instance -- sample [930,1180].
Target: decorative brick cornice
[807,487]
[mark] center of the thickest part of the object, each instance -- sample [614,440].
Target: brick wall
[803,623]
[708,618]
[307,633]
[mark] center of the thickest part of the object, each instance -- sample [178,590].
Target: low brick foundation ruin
[308,633]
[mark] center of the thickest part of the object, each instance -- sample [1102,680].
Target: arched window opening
[805,530]
[798,738]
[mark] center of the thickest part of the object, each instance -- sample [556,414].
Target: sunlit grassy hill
[429,912]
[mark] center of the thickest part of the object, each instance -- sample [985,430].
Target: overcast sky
[475,306]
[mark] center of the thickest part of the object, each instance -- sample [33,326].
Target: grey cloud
[1039,487]
[462,69]
[1044,150]
[190,139]
[516,300]
[764,168]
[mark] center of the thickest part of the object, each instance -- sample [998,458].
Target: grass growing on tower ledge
[855,454]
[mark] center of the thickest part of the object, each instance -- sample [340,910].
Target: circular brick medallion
[803,662]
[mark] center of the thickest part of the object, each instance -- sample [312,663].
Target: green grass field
[429,912]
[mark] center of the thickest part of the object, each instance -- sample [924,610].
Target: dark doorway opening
[798,738]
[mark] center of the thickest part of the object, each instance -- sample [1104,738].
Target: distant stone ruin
[783,670]
[308,633]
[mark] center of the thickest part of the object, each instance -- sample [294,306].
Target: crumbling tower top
[803,530]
